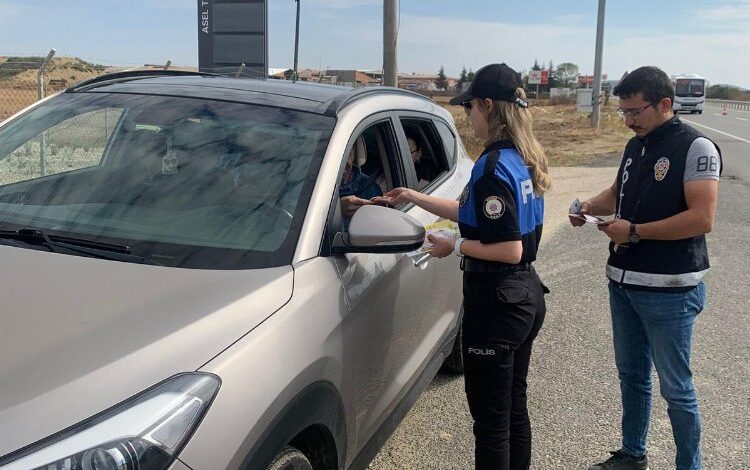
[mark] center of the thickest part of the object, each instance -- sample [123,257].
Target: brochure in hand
[445,227]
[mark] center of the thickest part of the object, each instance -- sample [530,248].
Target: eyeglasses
[467,107]
[632,112]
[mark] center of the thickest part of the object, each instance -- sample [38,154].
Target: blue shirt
[499,204]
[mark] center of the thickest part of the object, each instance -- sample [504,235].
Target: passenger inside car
[423,166]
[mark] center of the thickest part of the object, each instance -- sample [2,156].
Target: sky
[707,37]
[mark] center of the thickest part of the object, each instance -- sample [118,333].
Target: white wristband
[457,246]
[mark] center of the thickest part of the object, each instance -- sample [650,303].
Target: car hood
[78,335]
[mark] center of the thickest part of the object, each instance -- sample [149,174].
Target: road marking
[718,131]
[741,112]
[741,119]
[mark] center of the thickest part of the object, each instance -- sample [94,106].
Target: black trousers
[503,313]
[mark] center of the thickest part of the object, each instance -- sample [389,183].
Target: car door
[387,297]
[440,279]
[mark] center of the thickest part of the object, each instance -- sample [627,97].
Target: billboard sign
[588,79]
[233,32]
[539,77]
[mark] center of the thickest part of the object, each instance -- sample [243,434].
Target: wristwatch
[634,238]
[457,247]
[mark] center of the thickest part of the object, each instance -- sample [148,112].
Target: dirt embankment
[566,134]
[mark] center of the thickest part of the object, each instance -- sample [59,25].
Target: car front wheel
[290,459]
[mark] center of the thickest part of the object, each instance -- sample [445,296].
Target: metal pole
[40,73]
[40,83]
[598,65]
[390,19]
[296,42]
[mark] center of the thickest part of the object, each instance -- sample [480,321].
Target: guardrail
[738,105]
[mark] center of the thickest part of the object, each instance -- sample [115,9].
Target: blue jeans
[657,327]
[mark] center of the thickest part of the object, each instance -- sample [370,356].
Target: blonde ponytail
[509,121]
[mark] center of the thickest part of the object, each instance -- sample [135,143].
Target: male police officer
[664,201]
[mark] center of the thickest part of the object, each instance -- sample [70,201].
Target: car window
[189,182]
[370,168]
[449,142]
[427,151]
[72,144]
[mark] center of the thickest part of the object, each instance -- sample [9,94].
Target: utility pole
[296,42]
[598,66]
[390,19]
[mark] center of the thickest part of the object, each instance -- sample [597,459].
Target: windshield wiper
[63,244]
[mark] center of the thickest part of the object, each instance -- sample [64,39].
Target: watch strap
[457,246]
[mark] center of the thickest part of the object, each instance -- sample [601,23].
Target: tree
[441,83]
[462,79]
[536,65]
[470,76]
[566,73]
[553,82]
[722,92]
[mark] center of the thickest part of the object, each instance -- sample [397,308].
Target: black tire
[454,363]
[700,112]
[290,459]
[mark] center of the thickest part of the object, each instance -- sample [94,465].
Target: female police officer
[500,218]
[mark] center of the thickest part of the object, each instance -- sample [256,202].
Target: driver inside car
[357,188]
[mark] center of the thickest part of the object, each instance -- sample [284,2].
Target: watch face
[634,238]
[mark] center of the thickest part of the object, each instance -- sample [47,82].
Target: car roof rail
[134,75]
[340,102]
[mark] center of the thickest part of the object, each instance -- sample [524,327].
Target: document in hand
[575,212]
[591,219]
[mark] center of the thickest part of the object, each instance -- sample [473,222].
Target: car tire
[700,112]
[454,363]
[290,459]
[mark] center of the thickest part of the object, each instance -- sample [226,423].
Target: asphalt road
[731,132]
[573,386]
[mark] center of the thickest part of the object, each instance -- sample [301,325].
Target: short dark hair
[653,82]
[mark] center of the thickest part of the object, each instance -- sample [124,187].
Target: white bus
[689,93]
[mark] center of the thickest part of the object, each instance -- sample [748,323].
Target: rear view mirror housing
[377,229]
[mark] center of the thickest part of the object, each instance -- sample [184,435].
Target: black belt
[479,266]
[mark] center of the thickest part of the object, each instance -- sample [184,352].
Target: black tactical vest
[650,188]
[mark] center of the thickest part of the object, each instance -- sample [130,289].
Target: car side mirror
[378,229]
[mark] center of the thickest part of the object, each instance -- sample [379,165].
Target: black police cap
[494,81]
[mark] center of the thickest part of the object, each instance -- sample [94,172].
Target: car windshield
[689,87]
[186,182]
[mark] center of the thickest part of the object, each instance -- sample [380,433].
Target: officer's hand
[442,245]
[575,221]
[395,197]
[618,230]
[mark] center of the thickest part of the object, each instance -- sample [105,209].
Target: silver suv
[181,288]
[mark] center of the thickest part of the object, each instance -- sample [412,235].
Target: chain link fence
[18,83]
[25,79]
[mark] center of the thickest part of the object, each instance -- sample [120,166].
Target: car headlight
[145,432]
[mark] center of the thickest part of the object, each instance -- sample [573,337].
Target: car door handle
[418,262]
